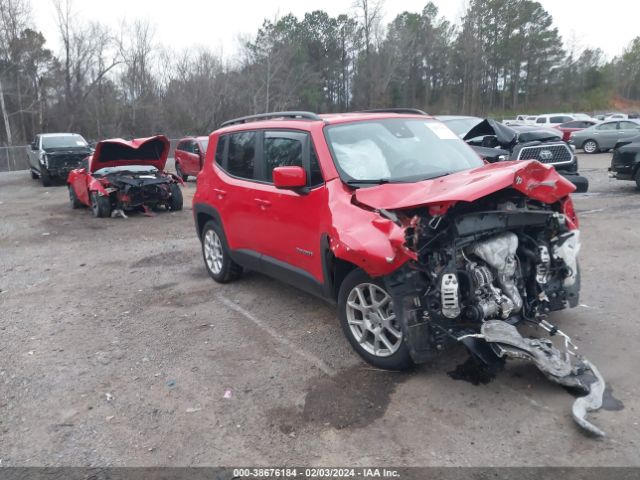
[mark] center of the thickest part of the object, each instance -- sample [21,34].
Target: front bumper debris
[563,367]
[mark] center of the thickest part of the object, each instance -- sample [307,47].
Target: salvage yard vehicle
[496,142]
[393,217]
[54,155]
[604,136]
[625,163]
[123,175]
[189,156]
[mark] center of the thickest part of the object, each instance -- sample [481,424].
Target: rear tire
[73,198]
[216,254]
[100,205]
[45,177]
[590,146]
[176,201]
[366,315]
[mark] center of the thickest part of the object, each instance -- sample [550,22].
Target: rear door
[179,155]
[234,190]
[606,134]
[291,222]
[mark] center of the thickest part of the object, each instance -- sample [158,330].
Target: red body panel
[532,178]
[288,226]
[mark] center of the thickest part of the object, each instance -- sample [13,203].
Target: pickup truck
[54,155]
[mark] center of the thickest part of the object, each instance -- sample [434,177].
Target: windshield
[64,141]
[461,126]
[398,150]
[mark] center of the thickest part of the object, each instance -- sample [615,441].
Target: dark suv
[54,155]
[392,216]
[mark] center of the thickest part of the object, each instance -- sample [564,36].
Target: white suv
[553,119]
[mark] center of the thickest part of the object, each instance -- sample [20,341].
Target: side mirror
[289,177]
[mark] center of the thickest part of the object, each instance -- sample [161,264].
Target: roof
[323,119]
[58,134]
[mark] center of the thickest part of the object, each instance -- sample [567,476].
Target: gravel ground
[116,349]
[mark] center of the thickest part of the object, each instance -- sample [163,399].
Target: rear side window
[282,151]
[241,154]
[607,126]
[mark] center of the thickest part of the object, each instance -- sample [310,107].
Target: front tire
[73,198]
[590,146]
[368,321]
[216,254]
[175,203]
[45,177]
[100,205]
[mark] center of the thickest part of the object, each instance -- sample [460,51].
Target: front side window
[628,125]
[282,151]
[242,153]
[541,120]
[397,150]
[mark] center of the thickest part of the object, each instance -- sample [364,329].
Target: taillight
[570,214]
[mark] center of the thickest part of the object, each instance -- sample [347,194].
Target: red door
[290,223]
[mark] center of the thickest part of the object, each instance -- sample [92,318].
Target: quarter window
[220,150]
[241,155]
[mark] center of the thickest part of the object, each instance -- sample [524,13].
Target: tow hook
[564,367]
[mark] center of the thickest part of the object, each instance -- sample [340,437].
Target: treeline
[504,56]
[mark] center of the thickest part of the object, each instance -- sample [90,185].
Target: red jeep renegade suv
[393,217]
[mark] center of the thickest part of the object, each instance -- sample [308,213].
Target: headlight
[44,160]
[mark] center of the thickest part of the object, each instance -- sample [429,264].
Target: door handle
[263,203]
[221,193]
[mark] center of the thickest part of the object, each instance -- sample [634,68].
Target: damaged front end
[480,268]
[144,189]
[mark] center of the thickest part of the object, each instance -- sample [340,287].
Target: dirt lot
[117,349]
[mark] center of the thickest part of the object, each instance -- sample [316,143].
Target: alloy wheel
[213,253]
[372,321]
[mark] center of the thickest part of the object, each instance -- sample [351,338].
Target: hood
[65,150]
[536,180]
[505,135]
[117,152]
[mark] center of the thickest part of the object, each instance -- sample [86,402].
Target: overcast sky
[219,24]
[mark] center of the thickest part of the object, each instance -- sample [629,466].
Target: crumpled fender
[97,186]
[363,237]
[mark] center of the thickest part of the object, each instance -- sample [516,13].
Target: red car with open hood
[123,175]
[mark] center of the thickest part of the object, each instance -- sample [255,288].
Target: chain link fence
[13,158]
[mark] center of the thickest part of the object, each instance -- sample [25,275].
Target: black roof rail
[267,116]
[396,110]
